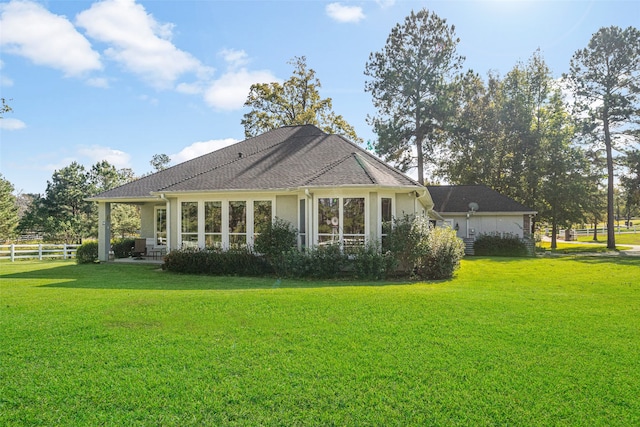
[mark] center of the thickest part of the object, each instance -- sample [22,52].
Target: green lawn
[576,248]
[621,238]
[506,342]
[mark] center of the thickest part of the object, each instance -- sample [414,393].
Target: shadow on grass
[150,277]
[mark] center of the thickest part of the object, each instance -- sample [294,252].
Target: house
[329,188]
[477,209]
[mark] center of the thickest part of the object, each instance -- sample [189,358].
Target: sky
[122,80]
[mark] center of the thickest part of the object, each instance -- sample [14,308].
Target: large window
[328,220]
[261,216]
[213,224]
[189,224]
[353,229]
[387,220]
[302,224]
[237,224]
[341,220]
[161,226]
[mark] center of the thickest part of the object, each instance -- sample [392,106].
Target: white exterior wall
[284,206]
[486,223]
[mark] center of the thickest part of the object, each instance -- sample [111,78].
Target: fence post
[40,251]
[13,252]
[64,251]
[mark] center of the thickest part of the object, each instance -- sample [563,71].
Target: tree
[63,214]
[411,87]
[4,107]
[606,79]
[295,102]
[160,161]
[563,186]
[631,182]
[8,210]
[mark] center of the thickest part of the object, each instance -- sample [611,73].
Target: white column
[104,231]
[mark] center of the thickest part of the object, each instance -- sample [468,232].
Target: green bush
[508,245]
[321,262]
[87,253]
[441,256]
[275,241]
[217,262]
[122,248]
[369,263]
[404,243]
[326,261]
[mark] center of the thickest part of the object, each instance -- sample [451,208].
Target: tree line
[554,145]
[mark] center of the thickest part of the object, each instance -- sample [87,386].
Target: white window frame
[340,196]
[225,216]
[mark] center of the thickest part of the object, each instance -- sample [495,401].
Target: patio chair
[140,248]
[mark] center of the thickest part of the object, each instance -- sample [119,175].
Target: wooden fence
[37,251]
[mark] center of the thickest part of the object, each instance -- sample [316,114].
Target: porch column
[104,231]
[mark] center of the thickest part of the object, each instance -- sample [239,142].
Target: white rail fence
[37,251]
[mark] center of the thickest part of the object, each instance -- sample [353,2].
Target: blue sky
[122,80]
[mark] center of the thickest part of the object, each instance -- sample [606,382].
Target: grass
[576,248]
[506,342]
[621,238]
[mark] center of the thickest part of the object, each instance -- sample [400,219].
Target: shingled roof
[284,158]
[456,199]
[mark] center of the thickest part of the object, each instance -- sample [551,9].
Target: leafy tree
[563,187]
[8,209]
[62,214]
[411,86]
[631,182]
[606,78]
[4,107]
[294,102]
[160,161]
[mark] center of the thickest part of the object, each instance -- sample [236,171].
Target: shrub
[321,262]
[326,262]
[403,242]
[122,247]
[87,253]
[442,255]
[217,262]
[275,241]
[500,245]
[369,262]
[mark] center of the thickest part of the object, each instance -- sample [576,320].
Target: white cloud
[97,153]
[230,91]
[100,82]
[138,42]
[199,148]
[31,31]
[385,3]
[12,124]
[4,80]
[234,58]
[342,13]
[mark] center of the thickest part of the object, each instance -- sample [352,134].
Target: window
[387,220]
[302,225]
[213,224]
[328,220]
[189,224]
[161,226]
[261,216]
[353,228]
[341,219]
[237,224]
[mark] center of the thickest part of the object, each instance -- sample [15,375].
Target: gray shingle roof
[456,198]
[288,157]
